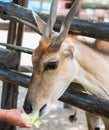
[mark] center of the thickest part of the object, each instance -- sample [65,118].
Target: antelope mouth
[44,110]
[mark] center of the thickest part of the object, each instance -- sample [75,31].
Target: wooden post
[10,91]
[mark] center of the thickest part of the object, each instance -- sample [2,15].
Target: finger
[21,111]
[27,125]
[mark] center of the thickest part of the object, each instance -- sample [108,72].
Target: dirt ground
[57,119]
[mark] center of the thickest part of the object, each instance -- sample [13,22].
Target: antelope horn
[65,25]
[48,31]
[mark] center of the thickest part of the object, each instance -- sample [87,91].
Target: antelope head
[52,63]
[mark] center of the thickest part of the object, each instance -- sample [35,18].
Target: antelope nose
[27,107]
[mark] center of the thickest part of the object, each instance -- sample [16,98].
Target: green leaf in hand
[32,119]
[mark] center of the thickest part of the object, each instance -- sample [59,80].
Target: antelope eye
[51,65]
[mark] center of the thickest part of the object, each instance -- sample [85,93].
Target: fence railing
[79,26]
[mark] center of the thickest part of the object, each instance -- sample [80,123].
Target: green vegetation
[32,119]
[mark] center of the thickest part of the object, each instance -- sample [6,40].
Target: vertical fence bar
[10,91]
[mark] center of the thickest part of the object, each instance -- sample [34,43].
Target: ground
[57,119]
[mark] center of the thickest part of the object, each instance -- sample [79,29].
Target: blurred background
[64,5]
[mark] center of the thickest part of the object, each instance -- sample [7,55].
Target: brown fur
[43,48]
[98,45]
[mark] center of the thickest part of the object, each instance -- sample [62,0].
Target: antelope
[61,59]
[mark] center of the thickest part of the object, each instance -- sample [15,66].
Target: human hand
[13,116]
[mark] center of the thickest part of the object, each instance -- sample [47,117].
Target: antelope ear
[69,52]
[40,23]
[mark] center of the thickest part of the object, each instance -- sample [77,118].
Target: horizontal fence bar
[5,26]
[26,69]
[86,102]
[91,5]
[14,77]
[90,28]
[18,48]
[87,5]
[82,100]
